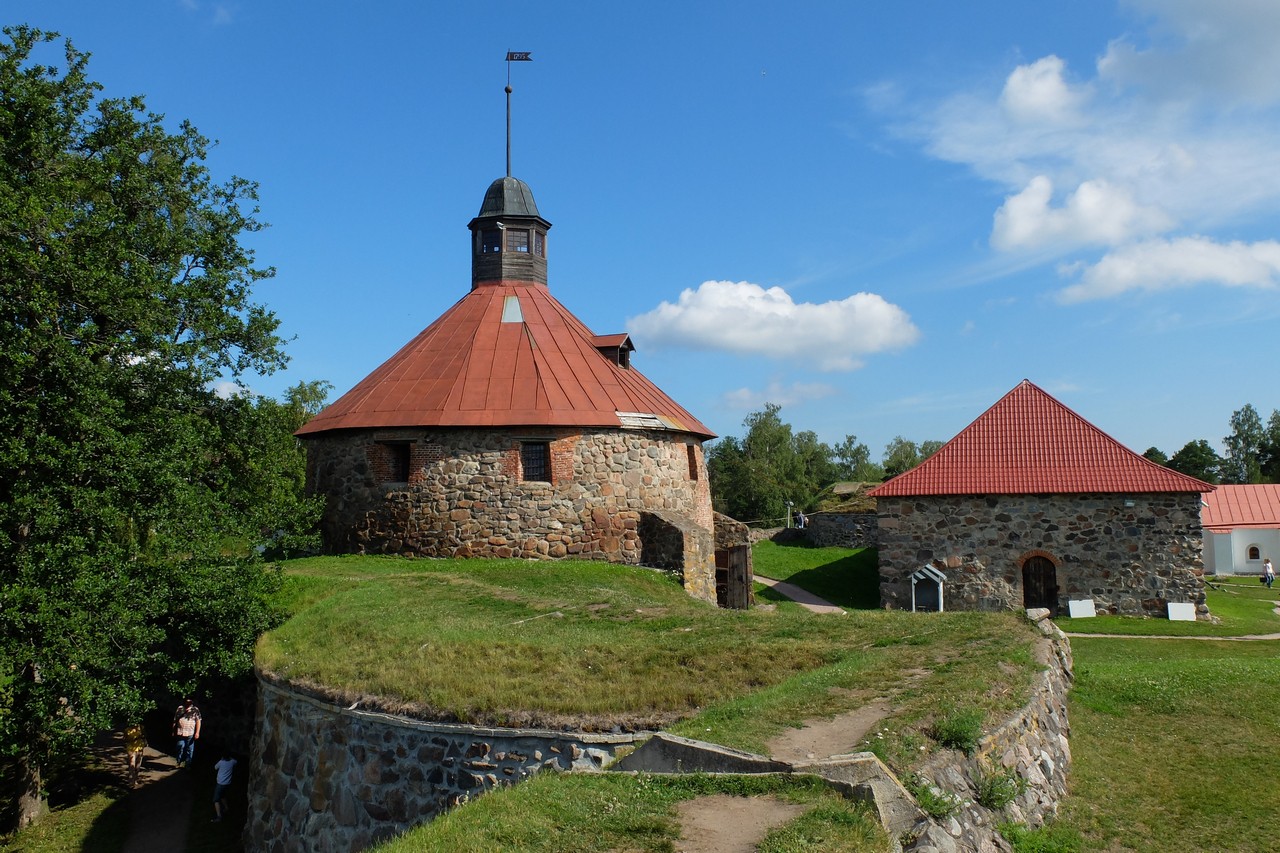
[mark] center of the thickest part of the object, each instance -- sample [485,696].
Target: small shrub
[1046,839]
[931,799]
[997,790]
[959,729]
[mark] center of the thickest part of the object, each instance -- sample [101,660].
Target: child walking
[222,782]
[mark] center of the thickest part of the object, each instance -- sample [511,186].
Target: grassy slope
[513,642]
[848,577]
[554,813]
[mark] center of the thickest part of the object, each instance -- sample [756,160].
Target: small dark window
[490,241]
[535,461]
[1254,553]
[693,461]
[517,240]
[397,456]
[540,244]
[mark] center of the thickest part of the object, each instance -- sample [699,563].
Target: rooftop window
[518,240]
[511,312]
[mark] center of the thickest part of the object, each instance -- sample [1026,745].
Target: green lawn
[558,812]
[1244,606]
[847,577]
[1174,745]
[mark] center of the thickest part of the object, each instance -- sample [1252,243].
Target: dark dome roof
[509,197]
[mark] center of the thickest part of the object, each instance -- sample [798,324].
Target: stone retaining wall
[1032,744]
[843,529]
[326,778]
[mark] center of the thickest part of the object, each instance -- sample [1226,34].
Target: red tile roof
[469,368]
[1029,443]
[1231,507]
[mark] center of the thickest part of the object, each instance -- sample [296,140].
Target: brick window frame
[693,461]
[535,461]
[392,461]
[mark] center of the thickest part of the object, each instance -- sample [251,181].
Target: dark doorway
[928,595]
[734,577]
[1040,584]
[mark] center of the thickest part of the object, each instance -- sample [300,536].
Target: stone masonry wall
[326,778]
[465,496]
[1032,745]
[1130,560]
[843,529]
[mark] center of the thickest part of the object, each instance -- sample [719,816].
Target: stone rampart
[327,778]
[1031,745]
[843,529]
[1131,554]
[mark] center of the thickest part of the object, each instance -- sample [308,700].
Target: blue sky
[881,216]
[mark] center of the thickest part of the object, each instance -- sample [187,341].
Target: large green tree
[1245,446]
[1197,459]
[124,292]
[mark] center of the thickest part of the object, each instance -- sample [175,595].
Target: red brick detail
[562,458]
[511,463]
[1022,558]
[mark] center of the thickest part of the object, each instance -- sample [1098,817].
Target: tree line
[1252,452]
[755,477]
[136,504]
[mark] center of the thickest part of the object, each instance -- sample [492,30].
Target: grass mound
[600,647]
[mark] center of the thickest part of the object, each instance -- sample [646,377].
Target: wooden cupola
[509,236]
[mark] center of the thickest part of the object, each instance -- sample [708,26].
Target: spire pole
[512,56]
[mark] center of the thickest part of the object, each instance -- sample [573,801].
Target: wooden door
[1040,584]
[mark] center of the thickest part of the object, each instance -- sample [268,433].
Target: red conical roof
[507,354]
[1029,443]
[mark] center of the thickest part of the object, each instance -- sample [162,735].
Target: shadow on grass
[851,580]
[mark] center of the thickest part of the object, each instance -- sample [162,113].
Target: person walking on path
[186,728]
[135,743]
[1268,572]
[222,781]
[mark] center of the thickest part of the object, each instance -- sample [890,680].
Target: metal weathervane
[512,56]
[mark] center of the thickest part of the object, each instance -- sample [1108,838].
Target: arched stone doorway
[1040,584]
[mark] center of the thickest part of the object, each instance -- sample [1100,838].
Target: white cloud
[1171,134]
[226,390]
[750,399]
[1157,265]
[1097,213]
[1039,93]
[748,319]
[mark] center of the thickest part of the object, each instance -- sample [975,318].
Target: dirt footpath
[160,807]
[725,824]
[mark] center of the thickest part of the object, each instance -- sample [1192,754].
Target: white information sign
[1182,611]
[1081,609]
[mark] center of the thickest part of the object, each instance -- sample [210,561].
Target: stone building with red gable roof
[1033,506]
[507,428]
